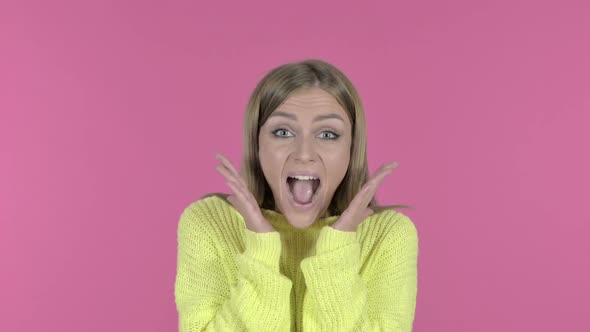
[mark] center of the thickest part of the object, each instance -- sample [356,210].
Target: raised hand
[242,199]
[358,209]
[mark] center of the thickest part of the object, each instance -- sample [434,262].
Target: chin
[304,219]
[300,221]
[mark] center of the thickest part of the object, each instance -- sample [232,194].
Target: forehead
[309,102]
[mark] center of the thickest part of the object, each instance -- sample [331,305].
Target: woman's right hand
[242,199]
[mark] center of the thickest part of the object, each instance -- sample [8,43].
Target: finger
[366,196]
[236,197]
[375,183]
[383,171]
[230,198]
[238,192]
[370,188]
[226,173]
[379,177]
[231,167]
[384,168]
[227,164]
[362,198]
[392,164]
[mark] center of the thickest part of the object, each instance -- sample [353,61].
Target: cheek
[337,162]
[270,161]
[339,151]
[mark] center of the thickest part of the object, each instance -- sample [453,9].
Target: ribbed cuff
[264,247]
[333,264]
[330,239]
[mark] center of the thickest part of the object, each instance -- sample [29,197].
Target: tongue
[302,191]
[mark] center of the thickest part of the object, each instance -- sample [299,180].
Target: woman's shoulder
[209,204]
[208,211]
[392,224]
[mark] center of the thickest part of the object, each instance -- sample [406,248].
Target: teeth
[303,177]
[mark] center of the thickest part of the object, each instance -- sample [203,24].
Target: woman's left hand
[358,209]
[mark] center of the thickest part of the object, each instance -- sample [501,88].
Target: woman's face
[309,134]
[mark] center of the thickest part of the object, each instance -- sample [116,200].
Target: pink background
[112,112]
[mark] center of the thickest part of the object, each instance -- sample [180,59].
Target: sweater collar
[280,222]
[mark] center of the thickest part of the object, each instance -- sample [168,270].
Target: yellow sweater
[318,279]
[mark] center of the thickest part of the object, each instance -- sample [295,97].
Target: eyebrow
[317,118]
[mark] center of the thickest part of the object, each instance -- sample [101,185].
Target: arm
[258,301]
[338,299]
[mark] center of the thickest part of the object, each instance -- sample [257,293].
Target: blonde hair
[274,88]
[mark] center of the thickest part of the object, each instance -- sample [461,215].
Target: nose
[304,150]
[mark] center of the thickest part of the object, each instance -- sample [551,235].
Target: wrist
[343,227]
[263,227]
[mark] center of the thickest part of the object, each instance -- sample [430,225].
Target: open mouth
[303,189]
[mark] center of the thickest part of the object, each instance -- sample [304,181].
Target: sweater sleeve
[206,301]
[338,299]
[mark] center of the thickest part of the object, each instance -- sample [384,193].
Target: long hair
[274,88]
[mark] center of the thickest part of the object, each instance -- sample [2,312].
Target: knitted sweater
[318,279]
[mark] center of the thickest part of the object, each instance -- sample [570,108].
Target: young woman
[300,244]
